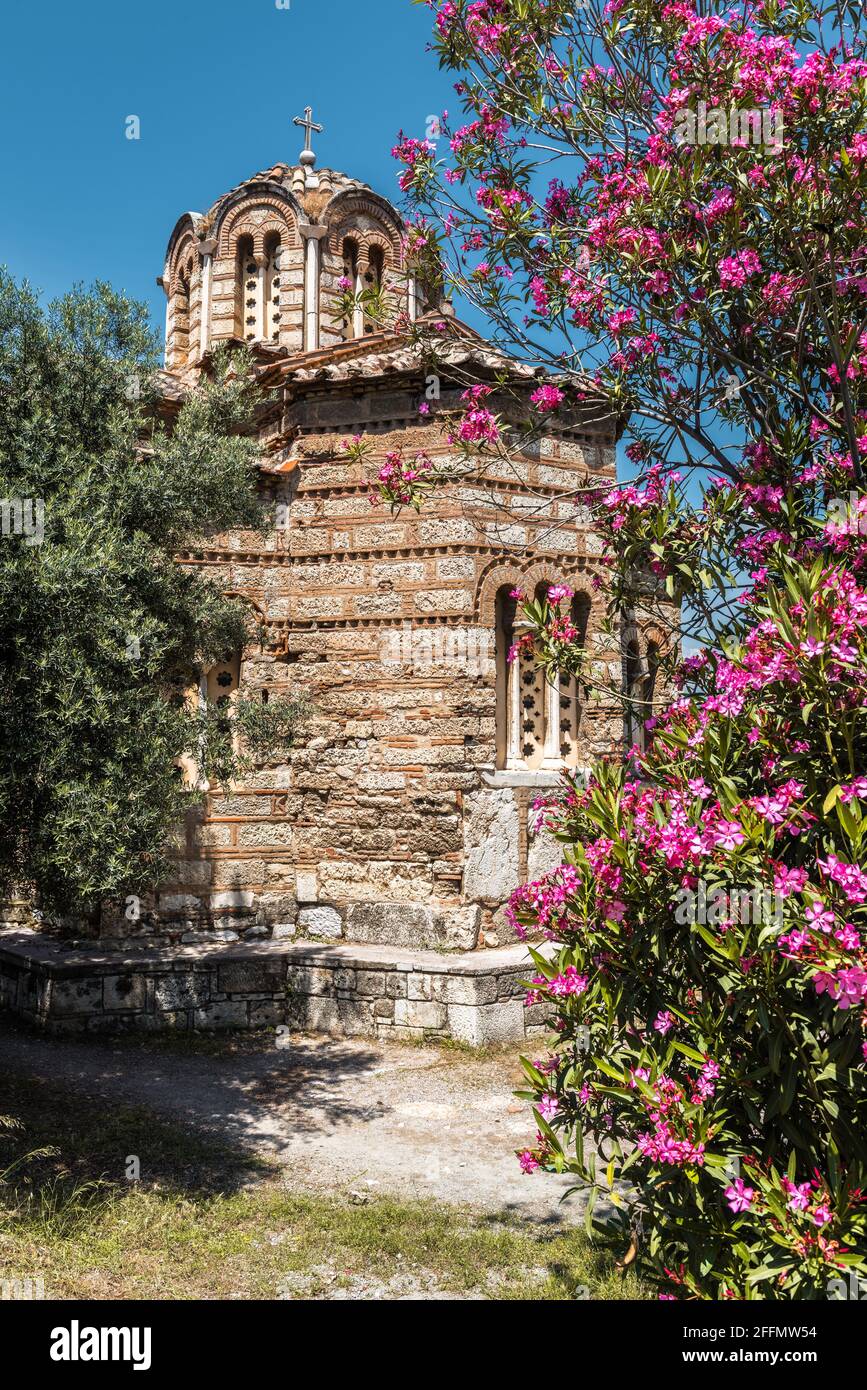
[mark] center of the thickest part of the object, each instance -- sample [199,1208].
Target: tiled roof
[391,354]
[329,181]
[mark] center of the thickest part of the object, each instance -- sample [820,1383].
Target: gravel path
[356,1117]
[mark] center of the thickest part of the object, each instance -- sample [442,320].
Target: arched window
[639,682]
[571,704]
[273,254]
[246,290]
[508,691]
[352,325]
[181,316]
[222,680]
[633,686]
[372,279]
[649,688]
[535,703]
[528,723]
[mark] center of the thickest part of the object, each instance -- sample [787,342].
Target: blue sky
[215,84]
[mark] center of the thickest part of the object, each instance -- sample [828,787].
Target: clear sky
[215,84]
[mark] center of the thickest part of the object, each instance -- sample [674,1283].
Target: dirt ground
[358,1118]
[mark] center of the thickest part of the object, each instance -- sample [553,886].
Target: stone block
[490,1023]
[371,983]
[470,989]
[181,991]
[419,1013]
[275,832]
[222,1014]
[213,836]
[251,976]
[412,924]
[356,1016]
[421,985]
[491,844]
[179,902]
[276,907]
[306,885]
[310,979]
[395,984]
[266,1013]
[235,873]
[82,996]
[320,922]
[232,897]
[318,1015]
[126,991]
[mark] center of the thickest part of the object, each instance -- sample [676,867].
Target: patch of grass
[198,1226]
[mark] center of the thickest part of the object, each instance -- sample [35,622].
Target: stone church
[368,873]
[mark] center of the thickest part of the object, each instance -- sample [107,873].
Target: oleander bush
[664,204]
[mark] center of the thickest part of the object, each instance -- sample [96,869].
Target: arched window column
[358,311]
[261,277]
[552,757]
[312,259]
[205,307]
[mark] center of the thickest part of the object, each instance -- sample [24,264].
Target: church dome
[293,259]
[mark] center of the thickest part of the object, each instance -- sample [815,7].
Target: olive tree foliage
[102,632]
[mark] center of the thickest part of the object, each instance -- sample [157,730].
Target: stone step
[346,989]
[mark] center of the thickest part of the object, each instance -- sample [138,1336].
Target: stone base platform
[350,990]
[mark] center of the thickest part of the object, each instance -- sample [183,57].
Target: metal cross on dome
[307,156]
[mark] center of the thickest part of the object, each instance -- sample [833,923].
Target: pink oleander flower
[740,1197]
[478,424]
[799,1194]
[664,1021]
[819,917]
[851,790]
[558,592]
[547,1106]
[847,987]
[734,271]
[568,983]
[788,881]
[728,835]
[528,1161]
[547,398]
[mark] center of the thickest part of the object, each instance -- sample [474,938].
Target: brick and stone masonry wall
[391,826]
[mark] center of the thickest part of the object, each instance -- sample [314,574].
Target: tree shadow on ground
[226,1085]
[60,1142]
